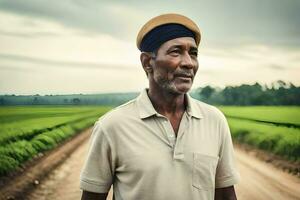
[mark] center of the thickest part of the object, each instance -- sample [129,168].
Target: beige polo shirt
[134,148]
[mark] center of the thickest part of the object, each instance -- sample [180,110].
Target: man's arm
[227,193]
[93,196]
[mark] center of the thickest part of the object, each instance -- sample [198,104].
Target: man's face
[175,65]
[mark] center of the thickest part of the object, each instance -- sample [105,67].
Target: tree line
[278,93]
[112,99]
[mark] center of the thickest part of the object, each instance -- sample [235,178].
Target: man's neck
[166,103]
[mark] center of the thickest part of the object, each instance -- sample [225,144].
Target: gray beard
[167,85]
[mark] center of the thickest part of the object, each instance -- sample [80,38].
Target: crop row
[282,141]
[280,115]
[27,128]
[14,154]
[40,135]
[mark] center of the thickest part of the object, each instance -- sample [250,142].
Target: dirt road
[260,181]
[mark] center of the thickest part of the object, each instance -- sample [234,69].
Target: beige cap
[168,19]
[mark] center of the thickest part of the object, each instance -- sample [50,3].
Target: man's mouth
[184,76]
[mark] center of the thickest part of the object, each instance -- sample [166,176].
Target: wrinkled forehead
[182,42]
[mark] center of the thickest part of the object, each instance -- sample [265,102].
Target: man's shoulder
[208,111]
[119,113]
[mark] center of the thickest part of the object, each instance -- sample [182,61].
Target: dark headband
[159,35]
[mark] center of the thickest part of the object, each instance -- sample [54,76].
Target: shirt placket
[178,152]
[176,143]
[169,132]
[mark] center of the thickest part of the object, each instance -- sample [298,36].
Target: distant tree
[1,101]
[35,100]
[76,101]
[206,92]
[279,84]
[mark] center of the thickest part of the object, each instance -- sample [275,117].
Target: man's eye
[194,53]
[176,51]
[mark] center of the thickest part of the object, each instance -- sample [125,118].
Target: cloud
[232,22]
[277,67]
[16,68]
[64,64]
[28,34]
[90,16]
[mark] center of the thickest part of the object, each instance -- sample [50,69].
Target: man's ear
[146,60]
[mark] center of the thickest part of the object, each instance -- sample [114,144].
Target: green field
[274,114]
[25,131]
[271,128]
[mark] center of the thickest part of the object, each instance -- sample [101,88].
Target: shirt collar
[192,108]
[146,108]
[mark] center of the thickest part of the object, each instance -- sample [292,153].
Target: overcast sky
[88,46]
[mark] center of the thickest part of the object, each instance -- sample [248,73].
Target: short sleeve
[97,173]
[227,173]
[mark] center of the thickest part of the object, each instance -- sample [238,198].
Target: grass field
[25,131]
[275,114]
[281,136]
[279,140]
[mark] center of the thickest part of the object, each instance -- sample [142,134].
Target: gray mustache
[184,74]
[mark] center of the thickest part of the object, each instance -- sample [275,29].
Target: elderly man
[163,145]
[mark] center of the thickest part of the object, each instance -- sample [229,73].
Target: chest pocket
[204,171]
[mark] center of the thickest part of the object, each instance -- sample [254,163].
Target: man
[163,145]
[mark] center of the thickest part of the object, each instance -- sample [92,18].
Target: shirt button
[171,136]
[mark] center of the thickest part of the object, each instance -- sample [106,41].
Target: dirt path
[260,181]
[63,182]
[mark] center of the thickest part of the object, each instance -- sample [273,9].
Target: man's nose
[187,61]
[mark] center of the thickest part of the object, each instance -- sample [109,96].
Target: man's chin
[182,89]
[177,89]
